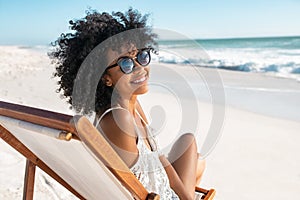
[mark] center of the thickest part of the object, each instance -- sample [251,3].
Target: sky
[39,22]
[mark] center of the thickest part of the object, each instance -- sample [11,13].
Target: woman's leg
[200,169]
[184,159]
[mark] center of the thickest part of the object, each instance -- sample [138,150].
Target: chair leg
[10,139]
[29,180]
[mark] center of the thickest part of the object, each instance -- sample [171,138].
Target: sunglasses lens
[126,65]
[143,58]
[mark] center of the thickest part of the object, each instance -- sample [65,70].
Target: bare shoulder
[118,127]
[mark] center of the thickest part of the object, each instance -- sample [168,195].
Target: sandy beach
[255,157]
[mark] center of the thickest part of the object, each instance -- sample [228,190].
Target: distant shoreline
[233,38]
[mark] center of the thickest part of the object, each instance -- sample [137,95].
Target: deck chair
[72,151]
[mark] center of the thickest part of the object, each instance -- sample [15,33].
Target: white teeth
[140,80]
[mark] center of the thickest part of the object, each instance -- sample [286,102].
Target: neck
[130,104]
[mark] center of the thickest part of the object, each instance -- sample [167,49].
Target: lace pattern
[151,173]
[148,168]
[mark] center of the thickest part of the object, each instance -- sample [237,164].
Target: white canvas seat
[73,152]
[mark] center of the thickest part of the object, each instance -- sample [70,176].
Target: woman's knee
[185,144]
[188,140]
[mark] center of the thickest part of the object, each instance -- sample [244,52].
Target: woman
[120,117]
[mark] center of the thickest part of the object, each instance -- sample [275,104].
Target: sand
[255,157]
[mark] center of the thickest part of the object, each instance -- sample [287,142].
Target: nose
[137,66]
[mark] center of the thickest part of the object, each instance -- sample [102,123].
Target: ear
[107,80]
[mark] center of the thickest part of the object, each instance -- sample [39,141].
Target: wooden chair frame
[78,128]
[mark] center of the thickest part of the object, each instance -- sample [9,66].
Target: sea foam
[271,56]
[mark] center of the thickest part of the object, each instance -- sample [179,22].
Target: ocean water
[277,56]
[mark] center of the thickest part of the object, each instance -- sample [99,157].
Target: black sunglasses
[126,63]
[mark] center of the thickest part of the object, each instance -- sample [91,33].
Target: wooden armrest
[208,194]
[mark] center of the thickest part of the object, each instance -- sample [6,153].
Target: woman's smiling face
[127,85]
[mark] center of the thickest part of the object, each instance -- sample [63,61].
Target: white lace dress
[148,169]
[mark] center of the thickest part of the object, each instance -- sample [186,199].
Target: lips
[139,80]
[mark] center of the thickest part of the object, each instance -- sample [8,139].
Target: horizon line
[237,37]
[171,39]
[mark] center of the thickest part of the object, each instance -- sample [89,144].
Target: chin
[141,90]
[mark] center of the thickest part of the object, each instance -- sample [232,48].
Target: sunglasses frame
[133,59]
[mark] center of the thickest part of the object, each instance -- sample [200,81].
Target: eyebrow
[129,53]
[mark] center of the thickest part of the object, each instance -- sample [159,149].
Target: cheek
[122,83]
